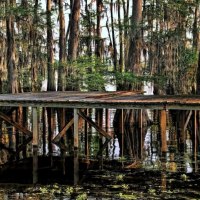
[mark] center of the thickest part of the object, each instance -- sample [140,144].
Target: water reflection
[146,169]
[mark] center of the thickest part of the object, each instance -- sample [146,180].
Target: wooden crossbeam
[22,129]
[103,147]
[92,123]
[15,124]
[57,138]
[187,121]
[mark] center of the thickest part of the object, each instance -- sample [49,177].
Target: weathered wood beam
[187,121]
[15,124]
[195,133]
[141,131]
[163,126]
[35,144]
[92,123]
[57,138]
[86,137]
[76,162]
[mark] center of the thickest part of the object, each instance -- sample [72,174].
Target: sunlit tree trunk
[11,66]
[3,65]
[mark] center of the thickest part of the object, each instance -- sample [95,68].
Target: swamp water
[142,172]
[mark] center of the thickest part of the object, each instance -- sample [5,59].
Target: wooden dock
[119,99]
[84,100]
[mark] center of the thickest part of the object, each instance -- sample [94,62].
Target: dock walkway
[119,99]
[78,101]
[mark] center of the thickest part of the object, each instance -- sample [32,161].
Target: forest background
[85,44]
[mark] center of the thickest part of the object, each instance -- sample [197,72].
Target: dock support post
[141,131]
[100,124]
[107,125]
[76,163]
[163,126]
[107,122]
[122,129]
[86,138]
[35,145]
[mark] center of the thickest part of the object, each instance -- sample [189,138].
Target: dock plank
[118,99]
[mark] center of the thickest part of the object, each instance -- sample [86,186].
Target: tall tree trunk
[113,37]
[73,42]
[50,50]
[89,39]
[3,62]
[196,36]
[133,62]
[34,64]
[11,67]
[74,31]
[98,49]
[121,42]
[62,51]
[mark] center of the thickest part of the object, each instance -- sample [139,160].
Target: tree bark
[62,52]
[133,62]
[113,36]
[50,50]
[74,31]
[98,49]
[11,67]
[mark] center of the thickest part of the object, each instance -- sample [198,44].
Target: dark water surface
[142,171]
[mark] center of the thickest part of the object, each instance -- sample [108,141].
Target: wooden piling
[24,124]
[61,118]
[195,134]
[107,120]
[44,130]
[86,136]
[76,163]
[35,145]
[122,130]
[163,126]
[141,132]
[100,124]
[182,131]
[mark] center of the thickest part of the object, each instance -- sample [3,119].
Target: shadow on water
[133,165]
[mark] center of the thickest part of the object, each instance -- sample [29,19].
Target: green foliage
[188,57]
[89,73]
[130,78]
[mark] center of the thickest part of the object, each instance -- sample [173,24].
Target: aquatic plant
[69,190]
[127,196]
[82,196]
[125,186]
[120,177]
